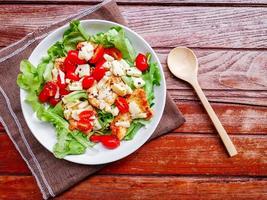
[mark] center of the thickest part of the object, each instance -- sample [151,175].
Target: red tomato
[68,66]
[115,53]
[43,97]
[60,85]
[141,62]
[87,115]
[84,125]
[122,105]
[109,141]
[99,52]
[95,138]
[98,73]
[53,101]
[50,88]
[88,82]
[63,91]
[74,58]
[72,76]
[100,62]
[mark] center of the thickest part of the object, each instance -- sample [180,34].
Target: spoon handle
[222,133]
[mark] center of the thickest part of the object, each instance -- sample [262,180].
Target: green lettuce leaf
[152,77]
[74,96]
[104,119]
[134,128]
[115,37]
[74,35]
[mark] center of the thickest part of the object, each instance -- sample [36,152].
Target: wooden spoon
[183,64]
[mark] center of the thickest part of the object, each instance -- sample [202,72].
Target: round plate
[45,133]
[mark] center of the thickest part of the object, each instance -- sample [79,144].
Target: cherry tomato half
[68,66]
[114,52]
[53,101]
[109,141]
[100,62]
[63,91]
[84,125]
[43,97]
[98,53]
[99,72]
[87,115]
[141,62]
[88,82]
[50,88]
[74,58]
[72,76]
[122,105]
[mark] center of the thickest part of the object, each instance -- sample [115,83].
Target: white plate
[45,133]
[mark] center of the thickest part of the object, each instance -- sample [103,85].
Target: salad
[91,88]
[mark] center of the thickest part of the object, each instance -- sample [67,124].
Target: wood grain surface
[230,39]
[142,187]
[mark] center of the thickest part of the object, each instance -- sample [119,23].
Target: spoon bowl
[183,63]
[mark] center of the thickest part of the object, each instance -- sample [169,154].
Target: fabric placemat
[53,175]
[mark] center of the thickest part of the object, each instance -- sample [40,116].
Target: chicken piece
[120,131]
[59,62]
[139,97]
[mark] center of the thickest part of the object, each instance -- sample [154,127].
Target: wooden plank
[164,2]
[225,75]
[236,119]
[140,187]
[218,27]
[173,154]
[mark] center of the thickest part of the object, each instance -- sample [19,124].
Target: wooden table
[230,39]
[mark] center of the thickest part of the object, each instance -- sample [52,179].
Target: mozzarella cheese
[124,64]
[117,68]
[83,70]
[133,71]
[108,58]
[75,86]
[114,111]
[125,124]
[86,52]
[138,82]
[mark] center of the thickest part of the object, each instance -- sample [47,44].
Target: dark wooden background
[230,39]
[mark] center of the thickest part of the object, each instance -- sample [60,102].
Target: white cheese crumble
[86,52]
[125,124]
[138,82]
[83,70]
[117,68]
[108,58]
[75,86]
[133,71]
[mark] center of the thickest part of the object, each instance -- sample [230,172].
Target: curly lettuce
[32,78]
[115,37]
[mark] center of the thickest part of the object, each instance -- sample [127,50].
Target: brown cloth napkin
[54,175]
